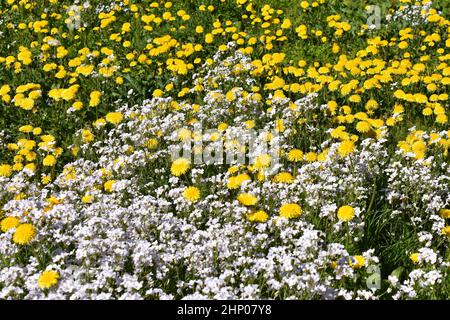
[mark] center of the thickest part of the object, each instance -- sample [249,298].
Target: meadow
[228,149]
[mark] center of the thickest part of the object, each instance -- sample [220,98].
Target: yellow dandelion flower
[237,181]
[24,233]
[445,213]
[48,279]
[180,166]
[108,185]
[346,147]
[158,93]
[258,216]
[414,257]
[114,117]
[363,126]
[446,231]
[284,177]
[247,199]
[95,98]
[357,262]
[151,143]
[191,194]
[49,161]
[26,129]
[290,210]
[311,156]
[295,155]
[5,170]
[346,213]
[441,118]
[87,198]
[262,161]
[9,223]
[87,136]
[419,148]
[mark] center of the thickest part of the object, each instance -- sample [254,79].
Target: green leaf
[398,272]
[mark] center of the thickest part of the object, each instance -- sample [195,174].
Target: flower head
[446,231]
[5,170]
[48,279]
[191,194]
[357,262]
[24,233]
[247,199]
[95,98]
[114,117]
[258,216]
[109,185]
[346,213]
[414,257]
[49,161]
[236,181]
[445,213]
[346,147]
[9,223]
[284,177]
[180,166]
[290,210]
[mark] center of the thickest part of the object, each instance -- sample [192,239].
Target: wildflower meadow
[227,149]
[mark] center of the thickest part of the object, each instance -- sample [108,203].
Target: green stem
[372,198]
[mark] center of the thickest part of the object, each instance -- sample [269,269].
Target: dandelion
[346,213]
[77,105]
[95,98]
[151,143]
[87,198]
[295,155]
[419,148]
[24,233]
[49,161]
[258,216]
[5,170]
[262,161]
[180,166]
[27,104]
[114,117]
[26,129]
[304,4]
[191,194]
[9,223]
[311,156]
[158,93]
[357,262]
[346,147]
[446,231]
[290,211]
[87,136]
[284,177]
[441,118]
[363,126]
[247,199]
[236,181]
[109,185]
[48,279]
[414,257]
[445,213]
